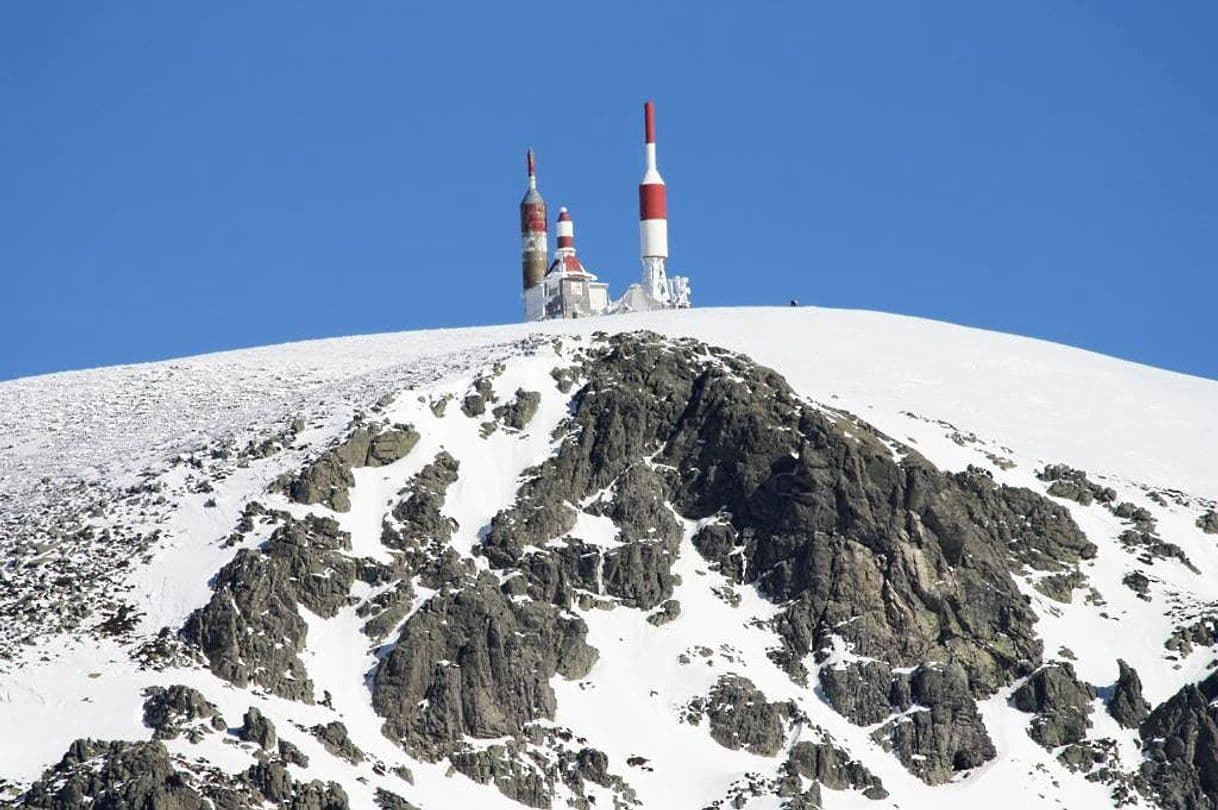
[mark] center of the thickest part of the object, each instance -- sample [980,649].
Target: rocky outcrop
[1180,743]
[327,480]
[940,731]
[1062,705]
[517,414]
[258,729]
[1208,522]
[177,709]
[475,662]
[1127,706]
[419,520]
[101,774]
[1072,484]
[337,741]
[825,763]
[251,630]
[741,717]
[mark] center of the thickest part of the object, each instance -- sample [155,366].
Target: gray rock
[741,716]
[419,517]
[292,755]
[391,801]
[327,480]
[520,411]
[1208,522]
[114,775]
[334,738]
[1127,706]
[1180,744]
[474,662]
[174,710]
[667,612]
[1061,703]
[825,763]
[948,736]
[258,729]
[251,630]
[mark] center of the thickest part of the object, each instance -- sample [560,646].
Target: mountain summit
[746,558]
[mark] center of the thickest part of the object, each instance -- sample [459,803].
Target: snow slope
[959,396]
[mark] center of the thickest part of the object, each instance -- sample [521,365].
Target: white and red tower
[535,252]
[653,216]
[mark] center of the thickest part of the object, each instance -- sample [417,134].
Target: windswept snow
[958,396]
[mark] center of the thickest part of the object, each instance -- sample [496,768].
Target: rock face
[177,709]
[1208,522]
[902,563]
[251,630]
[1127,706]
[948,736]
[1061,703]
[474,662]
[1180,742]
[419,519]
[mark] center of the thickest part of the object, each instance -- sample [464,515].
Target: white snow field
[959,396]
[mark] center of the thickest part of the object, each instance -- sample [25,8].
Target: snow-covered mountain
[711,558]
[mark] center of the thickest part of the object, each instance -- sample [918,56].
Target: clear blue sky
[178,178]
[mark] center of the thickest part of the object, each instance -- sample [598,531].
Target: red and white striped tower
[653,216]
[535,253]
[565,230]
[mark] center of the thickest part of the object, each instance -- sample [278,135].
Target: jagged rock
[474,403]
[1150,547]
[1061,703]
[419,516]
[251,629]
[860,691]
[949,736]
[473,661]
[1137,582]
[520,411]
[292,755]
[832,767]
[328,479]
[334,738]
[741,716]
[522,782]
[115,775]
[1180,743]
[1127,706]
[391,801]
[169,711]
[1074,485]
[667,612]
[1208,522]
[258,729]
[375,446]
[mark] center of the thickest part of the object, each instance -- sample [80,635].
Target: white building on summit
[568,290]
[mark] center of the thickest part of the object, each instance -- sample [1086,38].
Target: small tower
[653,216]
[569,290]
[535,252]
